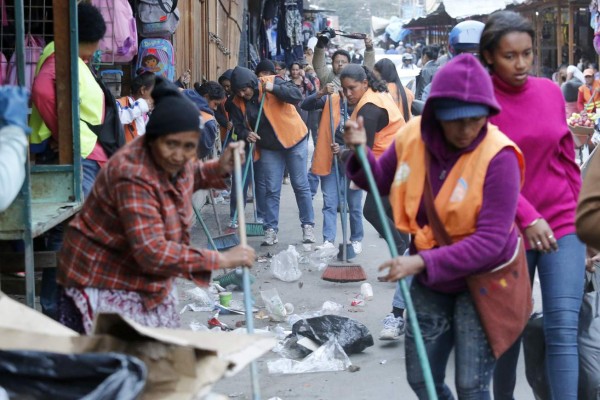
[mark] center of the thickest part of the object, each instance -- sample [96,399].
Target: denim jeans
[54,240]
[449,321]
[270,177]
[398,300]
[562,276]
[233,193]
[329,187]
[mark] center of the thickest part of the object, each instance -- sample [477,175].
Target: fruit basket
[581,134]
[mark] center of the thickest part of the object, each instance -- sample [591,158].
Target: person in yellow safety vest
[44,116]
[590,88]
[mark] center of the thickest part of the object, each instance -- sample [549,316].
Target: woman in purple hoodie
[476,201]
[533,116]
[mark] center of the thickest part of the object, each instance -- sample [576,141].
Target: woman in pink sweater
[533,117]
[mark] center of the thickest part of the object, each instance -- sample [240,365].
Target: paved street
[382,373]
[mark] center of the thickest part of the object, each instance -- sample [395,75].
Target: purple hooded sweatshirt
[494,240]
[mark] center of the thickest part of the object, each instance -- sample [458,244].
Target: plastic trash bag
[284,265]
[275,306]
[329,357]
[329,307]
[320,258]
[534,350]
[89,376]
[201,297]
[589,339]
[352,335]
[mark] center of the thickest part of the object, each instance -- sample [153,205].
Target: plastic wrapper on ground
[320,258]
[284,265]
[329,357]
[352,335]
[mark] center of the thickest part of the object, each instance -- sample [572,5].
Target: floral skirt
[78,307]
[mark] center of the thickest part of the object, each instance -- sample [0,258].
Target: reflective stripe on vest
[461,196]
[384,137]
[91,107]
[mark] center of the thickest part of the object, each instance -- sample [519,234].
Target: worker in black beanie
[265,68]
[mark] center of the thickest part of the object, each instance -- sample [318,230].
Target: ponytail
[377,85]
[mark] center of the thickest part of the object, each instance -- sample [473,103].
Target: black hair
[343,53]
[212,89]
[499,24]
[359,73]
[298,63]
[150,57]
[387,71]
[431,52]
[91,23]
[144,80]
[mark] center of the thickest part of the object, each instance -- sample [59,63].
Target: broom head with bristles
[344,272]
[254,229]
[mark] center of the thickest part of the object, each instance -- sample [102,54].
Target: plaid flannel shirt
[133,232]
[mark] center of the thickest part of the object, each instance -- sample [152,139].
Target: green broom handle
[426,368]
[204,227]
[250,156]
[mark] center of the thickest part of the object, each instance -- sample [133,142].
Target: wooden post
[559,35]
[60,9]
[572,61]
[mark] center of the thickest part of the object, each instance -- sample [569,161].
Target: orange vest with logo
[284,118]
[131,131]
[459,200]
[393,89]
[323,156]
[587,95]
[384,137]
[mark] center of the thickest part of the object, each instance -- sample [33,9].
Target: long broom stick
[425,367]
[246,276]
[250,155]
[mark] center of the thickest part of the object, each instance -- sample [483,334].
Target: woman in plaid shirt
[132,236]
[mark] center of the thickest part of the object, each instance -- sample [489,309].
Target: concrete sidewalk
[382,373]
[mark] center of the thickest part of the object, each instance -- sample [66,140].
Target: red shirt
[133,232]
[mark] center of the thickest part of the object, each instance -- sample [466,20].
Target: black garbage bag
[89,376]
[352,335]
[534,350]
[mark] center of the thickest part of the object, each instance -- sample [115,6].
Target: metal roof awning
[438,17]
[462,9]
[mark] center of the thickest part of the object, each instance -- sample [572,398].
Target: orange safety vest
[587,95]
[284,118]
[131,131]
[206,116]
[393,89]
[459,200]
[384,137]
[323,156]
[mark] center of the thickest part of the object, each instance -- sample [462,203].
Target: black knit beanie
[173,113]
[265,66]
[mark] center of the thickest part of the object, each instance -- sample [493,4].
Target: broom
[246,274]
[410,308]
[255,228]
[341,272]
[219,243]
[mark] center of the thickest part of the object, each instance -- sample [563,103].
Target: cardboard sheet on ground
[181,364]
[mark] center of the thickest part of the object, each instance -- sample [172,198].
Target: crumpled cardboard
[181,364]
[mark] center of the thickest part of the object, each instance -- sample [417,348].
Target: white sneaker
[326,245]
[357,246]
[393,328]
[308,234]
[270,237]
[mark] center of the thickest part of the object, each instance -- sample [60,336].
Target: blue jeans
[449,321]
[562,276]
[398,300]
[269,176]
[54,240]
[329,187]
[233,193]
